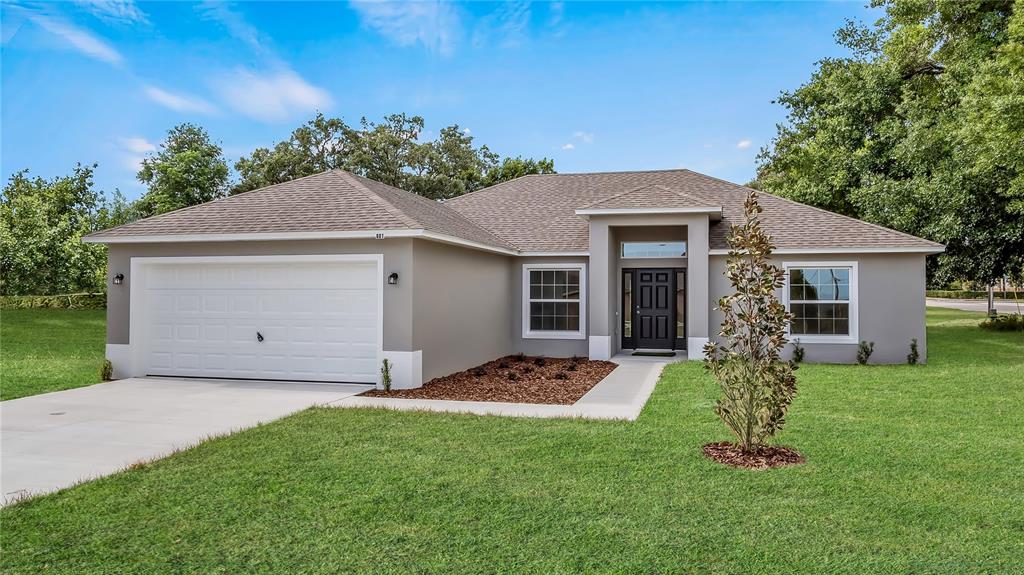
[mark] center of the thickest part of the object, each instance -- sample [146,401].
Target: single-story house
[323,277]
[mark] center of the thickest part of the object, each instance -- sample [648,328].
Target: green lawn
[43,350]
[910,470]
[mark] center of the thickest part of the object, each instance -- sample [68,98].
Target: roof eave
[924,250]
[714,212]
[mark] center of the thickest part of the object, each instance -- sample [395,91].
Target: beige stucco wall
[398,300]
[461,307]
[890,310]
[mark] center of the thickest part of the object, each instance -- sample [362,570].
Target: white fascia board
[826,251]
[647,211]
[554,254]
[283,236]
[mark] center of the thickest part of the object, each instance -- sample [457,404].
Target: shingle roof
[333,201]
[651,196]
[530,214]
[538,213]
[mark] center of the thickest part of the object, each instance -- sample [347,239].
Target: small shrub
[561,375]
[572,366]
[527,369]
[577,359]
[106,371]
[864,351]
[503,364]
[385,375]
[540,362]
[511,376]
[1004,322]
[913,356]
[798,351]
[479,372]
[520,357]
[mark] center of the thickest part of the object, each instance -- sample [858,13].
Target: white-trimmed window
[646,250]
[822,296]
[554,301]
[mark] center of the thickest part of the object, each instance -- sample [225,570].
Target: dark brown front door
[655,309]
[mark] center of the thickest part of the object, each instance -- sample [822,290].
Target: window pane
[820,319]
[819,284]
[574,278]
[548,292]
[535,278]
[562,289]
[654,249]
[627,304]
[535,292]
[680,304]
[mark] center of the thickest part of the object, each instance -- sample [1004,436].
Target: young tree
[41,225]
[189,169]
[757,386]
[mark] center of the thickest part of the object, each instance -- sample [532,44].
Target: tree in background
[41,225]
[921,129]
[390,151]
[189,169]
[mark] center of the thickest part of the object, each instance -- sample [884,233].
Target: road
[1004,306]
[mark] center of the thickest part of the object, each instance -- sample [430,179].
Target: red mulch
[766,457]
[532,384]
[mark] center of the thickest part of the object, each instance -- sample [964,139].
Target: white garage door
[259,319]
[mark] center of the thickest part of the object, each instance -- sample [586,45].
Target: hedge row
[967,294]
[66,301]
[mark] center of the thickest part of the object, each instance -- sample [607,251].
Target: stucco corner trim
[600,347]
[406,369]
[695,348]
[120,356]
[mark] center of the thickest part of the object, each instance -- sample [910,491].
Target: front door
[655,309]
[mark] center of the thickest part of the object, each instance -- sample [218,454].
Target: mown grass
[43,350]
[910,470]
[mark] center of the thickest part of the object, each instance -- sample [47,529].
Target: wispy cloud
[119,11]
[78,38]
[556,11]
[137,145]
[569,146]
[433,24]
[236,25]
[271,96]
[585,137]
[179,102]
[743,144]
[506,26]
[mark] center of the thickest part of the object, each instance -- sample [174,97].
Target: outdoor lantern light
[118,279]
[393,279]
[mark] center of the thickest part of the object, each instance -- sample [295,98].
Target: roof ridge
[817,209]
[376,198]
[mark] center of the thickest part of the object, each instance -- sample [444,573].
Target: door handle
[259,337]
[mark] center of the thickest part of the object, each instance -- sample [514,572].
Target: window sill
[839,339]
[554,335]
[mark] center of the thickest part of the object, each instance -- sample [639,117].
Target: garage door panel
[318,321]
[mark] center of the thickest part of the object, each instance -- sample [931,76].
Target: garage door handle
[259,337]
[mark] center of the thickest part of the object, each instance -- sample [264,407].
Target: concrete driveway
[1002,305]
[54,440]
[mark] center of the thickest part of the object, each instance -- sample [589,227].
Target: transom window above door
[554,301]
[674,249]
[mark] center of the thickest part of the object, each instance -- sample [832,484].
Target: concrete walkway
[621,395]
[1003,305]
[55,440]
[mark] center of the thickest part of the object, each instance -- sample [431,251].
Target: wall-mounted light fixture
[118,279]
[393,279]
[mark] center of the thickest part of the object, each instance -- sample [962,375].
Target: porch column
[698,302]
[599,329]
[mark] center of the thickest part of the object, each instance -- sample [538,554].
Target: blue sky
[596,86]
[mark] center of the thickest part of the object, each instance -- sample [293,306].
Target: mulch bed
[560,381]
[764,458]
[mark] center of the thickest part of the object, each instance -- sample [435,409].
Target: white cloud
[506,26]
[80,39]
[137,145]
[433,24]
[585,137]
[179,102]
[568,147]
[236,25]
[743,144]
[120,11]
[466,131]
[271,96]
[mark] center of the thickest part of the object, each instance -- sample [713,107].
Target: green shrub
[798,351]
[971,294]
[1004,322]
[106,371]
[385,375]
[864,351]
[65,301]
[913,356]
[511,376]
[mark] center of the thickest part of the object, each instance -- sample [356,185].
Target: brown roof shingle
[538,213]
